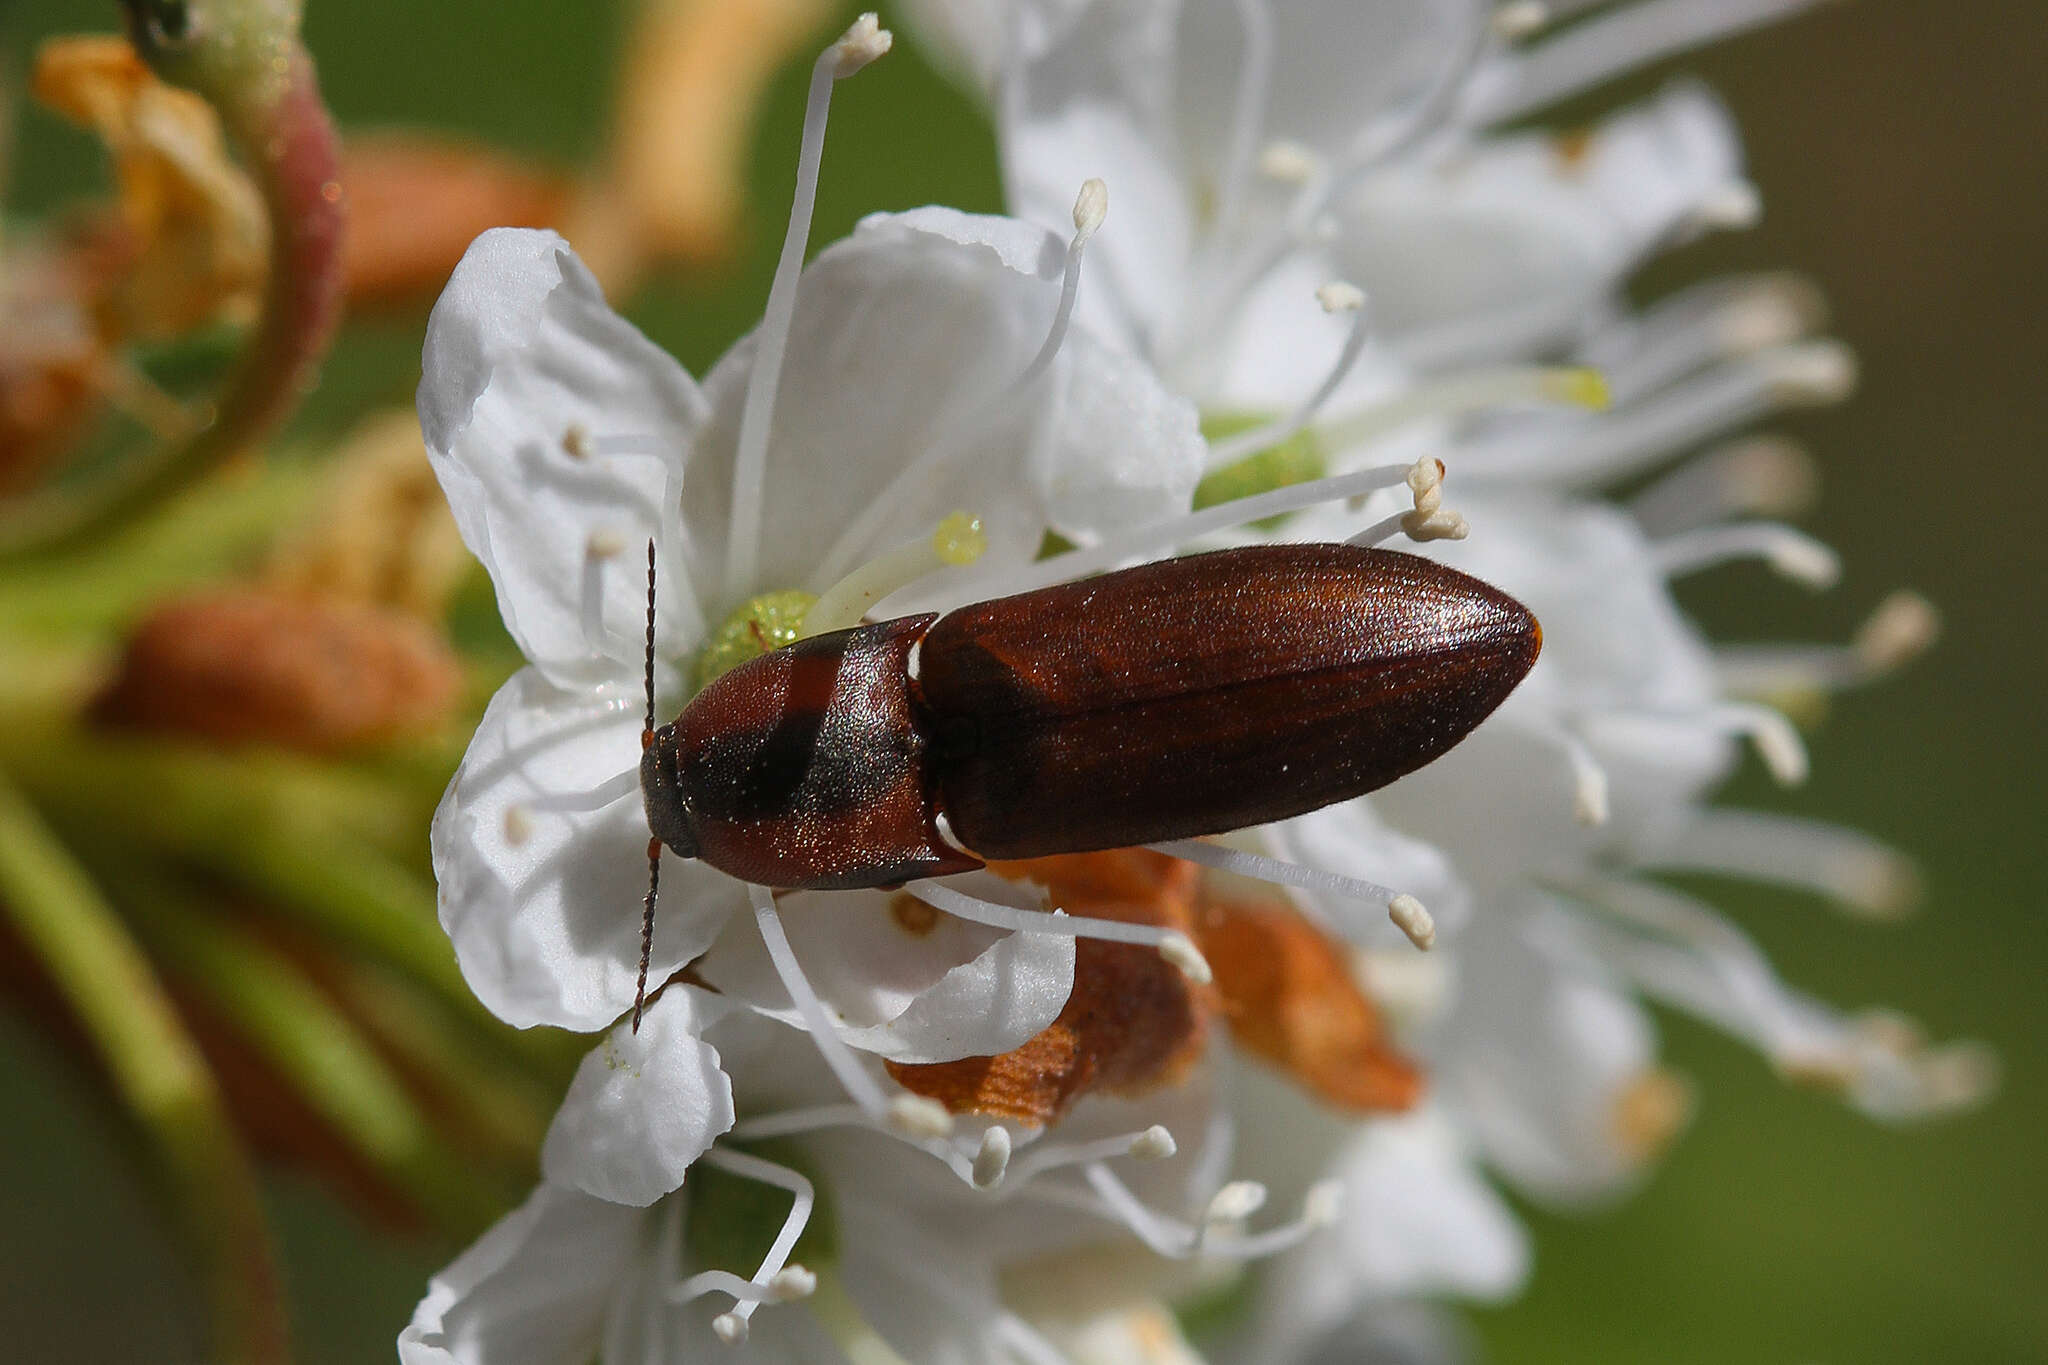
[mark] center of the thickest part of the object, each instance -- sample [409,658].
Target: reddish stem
[291,146]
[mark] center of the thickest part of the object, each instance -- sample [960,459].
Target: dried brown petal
[1133,1023]
[1290,998]
[197,220]
[416,201]
[259,667]
[384,535]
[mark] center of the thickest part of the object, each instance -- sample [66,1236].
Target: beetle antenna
[653,845]
[650,637]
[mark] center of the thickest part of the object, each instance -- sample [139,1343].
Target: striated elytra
[1175,699]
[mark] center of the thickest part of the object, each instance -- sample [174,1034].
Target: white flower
[921,367]
[692,1254]
[1261,149]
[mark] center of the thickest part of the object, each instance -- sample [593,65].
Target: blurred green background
[1899,145]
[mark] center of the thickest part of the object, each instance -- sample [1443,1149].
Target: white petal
[1535,1059]
[643,1106]
[1135,284]
[1127,451]
[1342,70]
[1517,228]
[910,341]
[533,1290]
[937,990]
[521,352]
[1420,1219]
[543,904]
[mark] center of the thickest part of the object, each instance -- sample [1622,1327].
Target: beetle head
[661,790]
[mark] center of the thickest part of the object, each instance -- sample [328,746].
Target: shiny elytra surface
[1207,693]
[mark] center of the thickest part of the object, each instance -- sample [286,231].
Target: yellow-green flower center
[757,625]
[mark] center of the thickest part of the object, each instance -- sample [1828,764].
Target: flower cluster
[954,1127]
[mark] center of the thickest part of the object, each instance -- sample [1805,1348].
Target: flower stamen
[861,44]
[1280,873]
[956,542]
[1091,206]
[1165,535]
[1769,476]
[1335,297]
[858,1084]
[1790,553]
[1171,944]
[775,1281]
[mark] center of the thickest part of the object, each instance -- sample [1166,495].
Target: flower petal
[906,982]
[525,367]
[1526,233]
[542,902]
[901,403]
[532,1291]
[1536,1058]
[643,1105]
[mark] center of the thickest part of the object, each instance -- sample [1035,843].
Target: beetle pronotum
[1180,698]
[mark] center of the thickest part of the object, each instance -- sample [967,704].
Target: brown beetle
[1180,698]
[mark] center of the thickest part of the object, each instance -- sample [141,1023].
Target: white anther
[1589,795]
[860,44]
[518,824]
[1780,747]
[992,1158]
[1425,482]
[1422,527]
[1235,1202]
[919,1118]
[730,1328]
[1154,1144]
[1323,1206]
[1412,918]
[791,1283]
[1290,163]
[1520,18]
[1771,312]
[1091,207]
[1815,372]
[1733,207]
[576,441]
[1340,296]
[1181,951]
[1902,628]
[605,543]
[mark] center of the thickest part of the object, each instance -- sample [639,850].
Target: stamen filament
[803,1197]
[861,44]
[1574,386]
[958,541]
[1171,943]
[824,1035]
[1624,39]
[612,789]
[1248,113]
[1049,1156]
[1273,870]
[1768,476]
[1165,535]
[1335,297]
[1791,553]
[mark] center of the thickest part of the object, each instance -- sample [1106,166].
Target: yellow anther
[960,540]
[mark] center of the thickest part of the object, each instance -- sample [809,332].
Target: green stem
[156,1069]
[315,1047]
[202,535]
